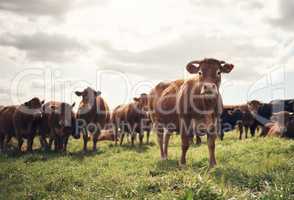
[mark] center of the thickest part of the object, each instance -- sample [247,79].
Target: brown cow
[58,123]
[131,119]
[6,126]
[93,115]
[24,120]
[191,106]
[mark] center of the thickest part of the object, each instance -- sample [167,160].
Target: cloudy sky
[50,48]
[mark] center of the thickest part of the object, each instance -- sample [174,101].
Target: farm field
[256,168]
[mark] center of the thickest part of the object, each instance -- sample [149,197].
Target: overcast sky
[125,47]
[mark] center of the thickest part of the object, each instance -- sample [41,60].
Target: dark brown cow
[6,126]
[93,115]
[131,119]
[25,120]
[58,123]
[191,106]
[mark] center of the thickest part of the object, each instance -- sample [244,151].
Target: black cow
[230,118]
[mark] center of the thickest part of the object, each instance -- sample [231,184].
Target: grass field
[256,168]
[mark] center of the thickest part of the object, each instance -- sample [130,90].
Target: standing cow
[191,106]
[93,115]
[132,119]
[58,123]
[7,130]
[20,122]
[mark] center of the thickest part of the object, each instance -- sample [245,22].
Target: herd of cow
[191,107]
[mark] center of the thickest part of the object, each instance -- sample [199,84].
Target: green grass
[256,168]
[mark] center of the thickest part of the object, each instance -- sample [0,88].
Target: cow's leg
[122,135]
[51,140]
[148,136]
[211,148]
[166,143]
[240,131]
[252,131]
[2,138]
[185,147]
[133,138]
[159,132]
[95,139]
[20,142]
[198,140]
[246,132]
[30,143]
[65,142]
[43,142]
[115,130]
[6,141]
[85,139]
[141,137]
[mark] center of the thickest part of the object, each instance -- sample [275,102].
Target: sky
[51,48]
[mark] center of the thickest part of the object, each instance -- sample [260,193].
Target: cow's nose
[209,88]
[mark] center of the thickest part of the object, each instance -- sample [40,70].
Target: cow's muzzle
[209,89]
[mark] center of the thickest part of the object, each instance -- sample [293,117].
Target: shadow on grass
[41,155]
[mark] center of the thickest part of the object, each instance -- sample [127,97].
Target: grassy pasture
[256,168]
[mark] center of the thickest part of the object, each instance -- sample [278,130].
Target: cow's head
[141,102]
[254,106]
[89,96]
[33,107]
[64,118]
[209,72]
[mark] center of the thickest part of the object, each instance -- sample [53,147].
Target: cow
[281,125]
[58,122]
[24,122]
[191,106]
[7,130]
[230,118]
[93,115]
[132,119]
[248,122]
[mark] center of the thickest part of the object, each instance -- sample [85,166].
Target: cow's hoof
[182,165]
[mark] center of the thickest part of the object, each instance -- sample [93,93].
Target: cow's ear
[73,105]
[78,93]
[291,114]
[192,68]
[98,93]
[136,99]
[227,68]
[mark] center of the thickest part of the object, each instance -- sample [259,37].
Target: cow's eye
[200,73]
[218,72]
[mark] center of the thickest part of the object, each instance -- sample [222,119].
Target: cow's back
[165,104]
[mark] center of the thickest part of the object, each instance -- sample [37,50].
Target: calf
[25,120]
[58,123]
[131,119]
[191,106]
[93,115]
